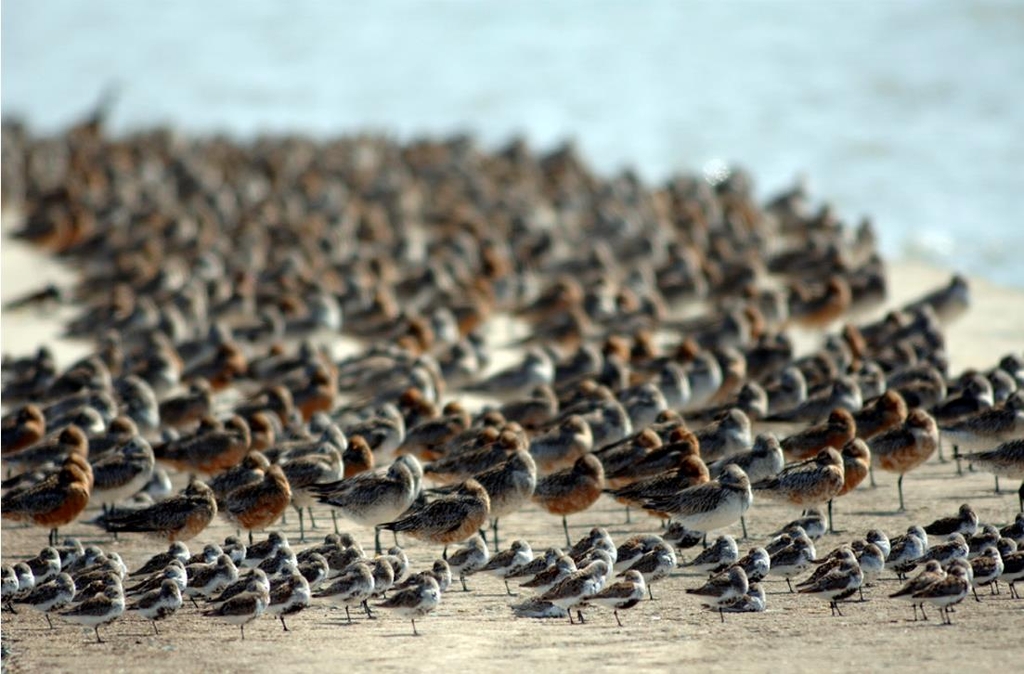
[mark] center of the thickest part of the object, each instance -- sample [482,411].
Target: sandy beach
[476,630]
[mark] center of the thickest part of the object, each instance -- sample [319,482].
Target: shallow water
[907,111]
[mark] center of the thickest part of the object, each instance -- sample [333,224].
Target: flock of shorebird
[426,338]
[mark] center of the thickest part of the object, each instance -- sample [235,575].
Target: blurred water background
[911,112]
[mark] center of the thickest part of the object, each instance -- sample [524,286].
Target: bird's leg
[250,536]
[831,522]
[376,540]
[444,553]
[649,593]
[743,521]
[721,614]
[242,627]
[312,520]
[96,628]
[790,585]
[837,608]
[617,615]
[628,519]
[414,632]
[579,615]
[871,476]
[923,616]
[302,526]
[507,590]
[494,526]
[366,607]
[565,527]
[155,630]
[334,517]
[975,593]
[48,622]
[899,486]
[395,534]
[571,621]
[283,623]
[193,600]
[463,579]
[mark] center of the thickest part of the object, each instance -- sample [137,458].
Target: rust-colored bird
[260,504]
[571,490]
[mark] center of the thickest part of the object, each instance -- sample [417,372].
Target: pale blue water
[912,112]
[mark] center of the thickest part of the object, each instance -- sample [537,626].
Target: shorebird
[55,501]
[985,570]
[764,460]
[208,452]
[158,604]
[630,551]
[173,571]
[468,559]
[560,569]
[503,563]
[290,596]
[792,559]
[948,591]
[123,473]
[834,432]
[571,490]
[902,449]
[371,499]
[808,483]
[621,595]
[439,571]
[45,565]
[258,505]
[257,553]
[709,506]
[965,523]
[180,518]
[448,519]
[177,550]
[885,412]
[206,579]
[51,596]
[722,553]
[723,589]
[414,602]
[727,436]
[690,472]
[563,445]
[655,564]
[955,547]
[856,465]
[241,609]
[906,550]
[931,573]
[101,609]
[1006,460]
[576,588]
[510,486]
[22,429]
[352,588]
[756,564]
[752,602]
[838,583]
[988,427]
